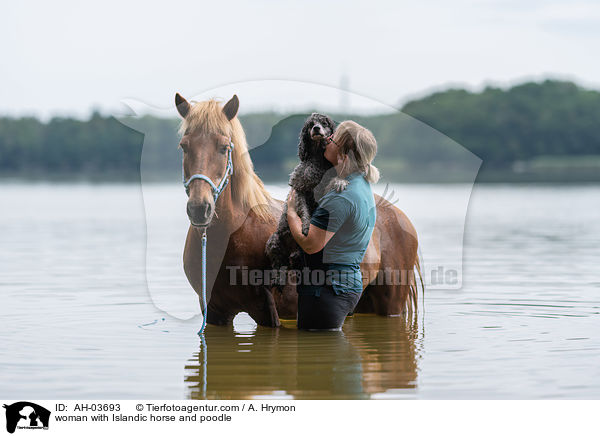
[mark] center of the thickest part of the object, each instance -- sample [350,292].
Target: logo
[26,415]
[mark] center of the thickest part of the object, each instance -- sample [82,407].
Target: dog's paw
[338,184]
[305,228]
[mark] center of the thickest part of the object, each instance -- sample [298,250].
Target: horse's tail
[413,293]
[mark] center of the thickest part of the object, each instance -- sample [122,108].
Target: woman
[339,232]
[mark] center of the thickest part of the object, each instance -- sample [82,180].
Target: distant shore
[531,133]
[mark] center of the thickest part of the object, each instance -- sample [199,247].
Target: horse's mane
[246,188]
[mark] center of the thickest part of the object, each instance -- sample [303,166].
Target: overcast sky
[65,57]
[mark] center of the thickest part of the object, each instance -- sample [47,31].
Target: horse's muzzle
[200,214]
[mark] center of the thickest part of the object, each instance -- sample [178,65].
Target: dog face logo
[26,415]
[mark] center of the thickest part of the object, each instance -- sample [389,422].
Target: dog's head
[316,128]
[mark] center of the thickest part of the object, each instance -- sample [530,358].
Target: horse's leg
[364,305]
[385,300]
[264,309]
[286,300]
[385,295]
[393,291]
[215,316]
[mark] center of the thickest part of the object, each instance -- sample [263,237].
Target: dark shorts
[327,311]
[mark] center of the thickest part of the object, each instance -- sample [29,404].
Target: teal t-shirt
[351,215]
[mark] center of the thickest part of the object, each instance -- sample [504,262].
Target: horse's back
[396,230]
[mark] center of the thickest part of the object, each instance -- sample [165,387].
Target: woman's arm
[316,238]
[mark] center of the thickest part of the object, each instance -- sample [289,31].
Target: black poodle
[311,179]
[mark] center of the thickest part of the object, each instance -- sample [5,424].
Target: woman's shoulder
[358,187]
[356,190]
[349,196]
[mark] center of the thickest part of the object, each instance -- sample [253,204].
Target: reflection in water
[372,357]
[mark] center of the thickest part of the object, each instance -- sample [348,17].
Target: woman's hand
[291,205]
[316,238]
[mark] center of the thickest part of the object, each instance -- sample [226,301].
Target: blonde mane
[247,189]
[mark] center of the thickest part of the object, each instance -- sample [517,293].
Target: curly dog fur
[313,176]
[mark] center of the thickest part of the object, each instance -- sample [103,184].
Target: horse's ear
[183,107]
[231,107]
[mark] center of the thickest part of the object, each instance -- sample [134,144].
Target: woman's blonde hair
[359,144]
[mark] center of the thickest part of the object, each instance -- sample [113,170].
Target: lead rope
[204,308]
[216,192]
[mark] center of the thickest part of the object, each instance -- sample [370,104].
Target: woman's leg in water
[327,311]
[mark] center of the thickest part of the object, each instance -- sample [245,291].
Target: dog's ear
[305,139]
[331,124]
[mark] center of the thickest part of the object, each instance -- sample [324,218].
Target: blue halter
[216,192]
[222,184]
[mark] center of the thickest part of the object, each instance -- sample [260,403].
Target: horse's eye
[183,146]
[223,148]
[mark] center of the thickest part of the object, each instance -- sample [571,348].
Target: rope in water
[204,308]
[204,366]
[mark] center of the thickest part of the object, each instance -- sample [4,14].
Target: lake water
[78,319]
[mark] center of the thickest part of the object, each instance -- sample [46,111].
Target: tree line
[546,131]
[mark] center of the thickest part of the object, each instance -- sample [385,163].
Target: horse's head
[207,152]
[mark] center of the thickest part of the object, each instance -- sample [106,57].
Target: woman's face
[332,150]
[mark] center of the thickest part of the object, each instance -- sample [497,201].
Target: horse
[239,215]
